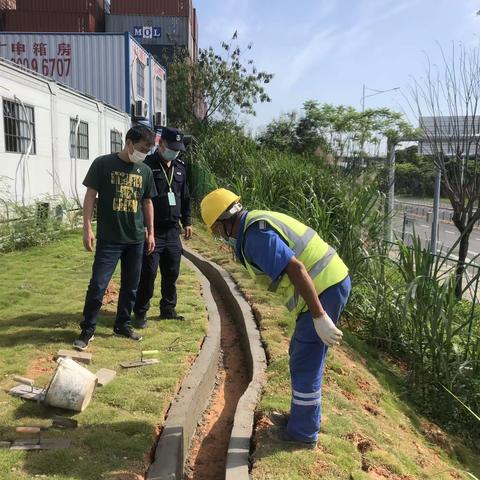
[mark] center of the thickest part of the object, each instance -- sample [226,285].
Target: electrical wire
[24,156]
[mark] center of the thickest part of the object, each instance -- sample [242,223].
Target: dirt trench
[207,456]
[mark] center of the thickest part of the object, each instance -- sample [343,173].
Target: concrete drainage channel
[181,444]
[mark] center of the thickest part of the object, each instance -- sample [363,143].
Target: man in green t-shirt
[125,187]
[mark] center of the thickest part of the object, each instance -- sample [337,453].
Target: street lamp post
[391,165]
[376,92]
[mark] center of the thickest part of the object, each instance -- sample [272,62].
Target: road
[448,234]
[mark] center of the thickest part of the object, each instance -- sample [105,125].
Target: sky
[326,50]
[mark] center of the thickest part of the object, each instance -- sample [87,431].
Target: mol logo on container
[147,32]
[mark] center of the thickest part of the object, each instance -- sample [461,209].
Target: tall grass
[404,303]
[35,224]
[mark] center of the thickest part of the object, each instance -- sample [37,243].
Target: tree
[280,134]
[414,173]
[219,85]
[447,102]
[341,130]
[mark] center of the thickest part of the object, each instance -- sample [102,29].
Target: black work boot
[171,315]
[127,332]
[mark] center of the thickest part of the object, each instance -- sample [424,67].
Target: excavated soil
[111,294]
[210,443]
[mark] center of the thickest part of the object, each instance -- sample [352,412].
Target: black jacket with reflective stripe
[166,216]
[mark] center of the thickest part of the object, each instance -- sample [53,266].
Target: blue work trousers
[307,362]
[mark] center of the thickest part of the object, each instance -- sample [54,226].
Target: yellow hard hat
[216,203]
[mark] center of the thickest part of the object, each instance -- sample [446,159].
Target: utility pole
[376,92]
[390,205]
[436,209]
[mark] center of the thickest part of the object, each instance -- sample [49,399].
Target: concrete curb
[237,464]
[192,399]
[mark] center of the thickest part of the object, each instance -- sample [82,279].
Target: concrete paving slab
[81,357]
[105,376]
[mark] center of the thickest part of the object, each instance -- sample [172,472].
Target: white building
[49,136]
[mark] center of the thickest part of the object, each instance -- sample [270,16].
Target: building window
[19,126]
[158,94]
[116,144]
[140,79]
[81,142]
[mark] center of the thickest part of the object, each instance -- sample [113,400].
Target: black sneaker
[141,320]
[171,316]
[128,332]
[82,342]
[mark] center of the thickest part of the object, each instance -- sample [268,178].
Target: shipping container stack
[4,6]
[76,16]
[7,4]
[160,26]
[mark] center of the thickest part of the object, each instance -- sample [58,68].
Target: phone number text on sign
[40,61]
[46,66]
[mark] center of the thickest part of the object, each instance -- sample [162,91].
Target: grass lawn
[42,290]
[369,430]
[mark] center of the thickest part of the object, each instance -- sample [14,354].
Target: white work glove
[327,331]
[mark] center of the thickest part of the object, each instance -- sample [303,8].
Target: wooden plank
[28,393]
[44,444]
[25,381]
[104,376]
[82,357]
[29,429]
[5,444]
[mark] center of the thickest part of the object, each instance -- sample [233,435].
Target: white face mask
[136,156]
[169,154]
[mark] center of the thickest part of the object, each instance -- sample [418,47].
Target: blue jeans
[307,362]
[107,256]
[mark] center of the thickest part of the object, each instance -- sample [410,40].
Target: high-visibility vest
[323,264]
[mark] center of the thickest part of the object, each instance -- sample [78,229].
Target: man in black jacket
[171,206]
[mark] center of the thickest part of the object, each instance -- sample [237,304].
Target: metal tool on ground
[172,345]
[56,422]
[38,443]
[143,361]
[81,357]
[27,389]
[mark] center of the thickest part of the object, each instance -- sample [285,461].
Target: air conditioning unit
[158,119]
[140,109]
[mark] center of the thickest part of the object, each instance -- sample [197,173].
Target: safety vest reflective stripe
[323,265]
[300,242]
[307,395]
[307,403]
[313,272]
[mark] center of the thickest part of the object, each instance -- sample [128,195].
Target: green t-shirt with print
[121,187]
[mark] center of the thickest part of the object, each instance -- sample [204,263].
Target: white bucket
[71,387]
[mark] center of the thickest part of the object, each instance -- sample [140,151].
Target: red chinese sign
[53,64]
